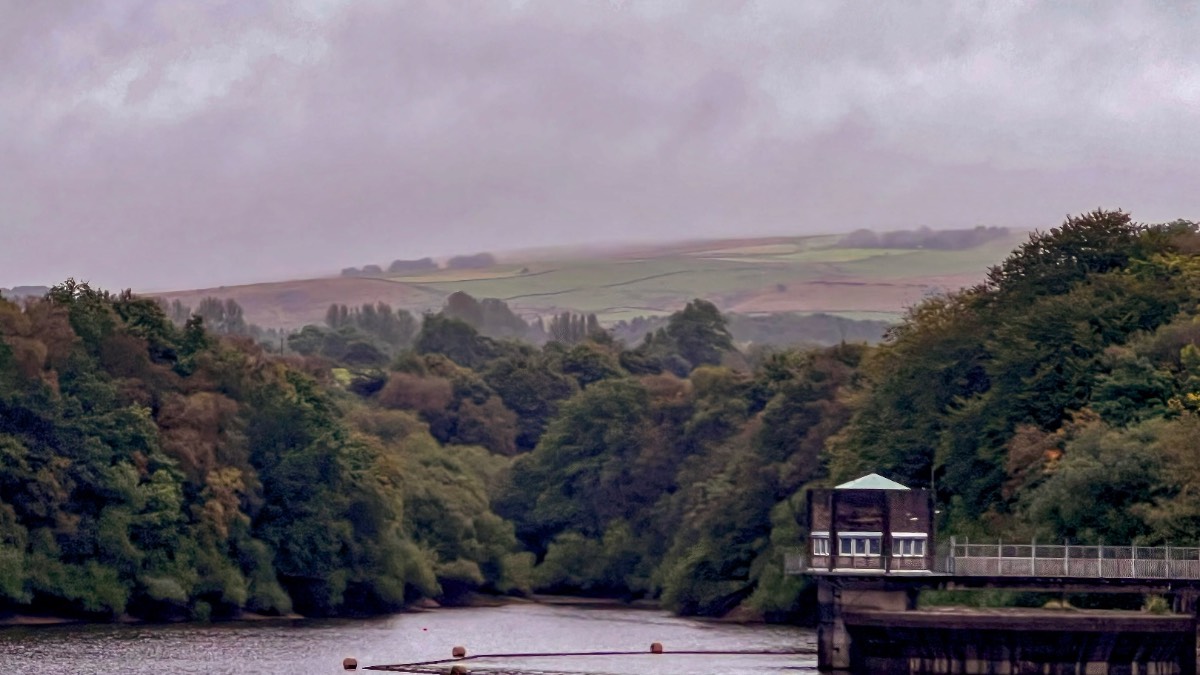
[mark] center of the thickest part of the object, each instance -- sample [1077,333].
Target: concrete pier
[874,626]
[837,601]
[872,549]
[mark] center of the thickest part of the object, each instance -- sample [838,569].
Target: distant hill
[754,276]
[18,292]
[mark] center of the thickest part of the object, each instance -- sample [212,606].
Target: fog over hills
[163,145]
[860,275]
[20,292]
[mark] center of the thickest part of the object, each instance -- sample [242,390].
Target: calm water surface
[319,646]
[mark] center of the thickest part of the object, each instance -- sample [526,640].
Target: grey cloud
[164,144]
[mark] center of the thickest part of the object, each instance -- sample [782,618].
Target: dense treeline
[423,265]
[945,240]
[668,469]
[220,316]
[164,471]
[781,329]
[1056,399]
[372,334]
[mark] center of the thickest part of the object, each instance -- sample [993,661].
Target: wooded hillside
[167,471]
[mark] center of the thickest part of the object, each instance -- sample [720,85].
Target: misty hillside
[851,276]
[169,472]
[20,292]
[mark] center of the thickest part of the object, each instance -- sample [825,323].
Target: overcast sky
[165,145]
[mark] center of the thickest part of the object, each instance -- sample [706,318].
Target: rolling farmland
[751,276]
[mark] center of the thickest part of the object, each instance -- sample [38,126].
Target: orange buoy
[655,647]
[458,652]
[459,670]
[349,663]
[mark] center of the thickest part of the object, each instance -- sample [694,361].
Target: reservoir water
[320,646]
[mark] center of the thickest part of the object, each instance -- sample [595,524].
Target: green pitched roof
[871,482]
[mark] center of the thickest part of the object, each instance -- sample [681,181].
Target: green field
[594,286]
[753,276]
[622,288]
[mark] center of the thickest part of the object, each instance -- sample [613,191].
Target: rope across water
[424,666]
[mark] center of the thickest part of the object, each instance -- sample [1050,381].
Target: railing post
[999,557]
[1067,558]
[1133,561]
[1100,558]
[1033,558]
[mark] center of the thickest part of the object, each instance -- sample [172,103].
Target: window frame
[860,544]
[820,542]
[909,544]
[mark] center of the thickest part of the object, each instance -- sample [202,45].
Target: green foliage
[224,317]
[611,565]
[1156,604]
[700,333]
[779,329]
[1131,389]
[588,363]
[393,329]
[1050,263]
[455,339]
[490,316]
[170,473]
[221,316]
[958,378]
[981,598]
[572,564]
[1103,485]
[661,486]
[532,389]
[582,475]
[571,329]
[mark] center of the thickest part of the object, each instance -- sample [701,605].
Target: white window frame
[861,544]
[905,544]
[820,545]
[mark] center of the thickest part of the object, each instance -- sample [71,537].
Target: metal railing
[1034,560]
[1062,560]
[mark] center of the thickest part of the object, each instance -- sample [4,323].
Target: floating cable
[412,667]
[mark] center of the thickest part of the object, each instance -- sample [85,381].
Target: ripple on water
[319,646]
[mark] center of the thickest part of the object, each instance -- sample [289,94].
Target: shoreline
[19,620]
[28,620]
[738,615]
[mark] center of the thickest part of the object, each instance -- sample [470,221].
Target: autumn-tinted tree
[171,474]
